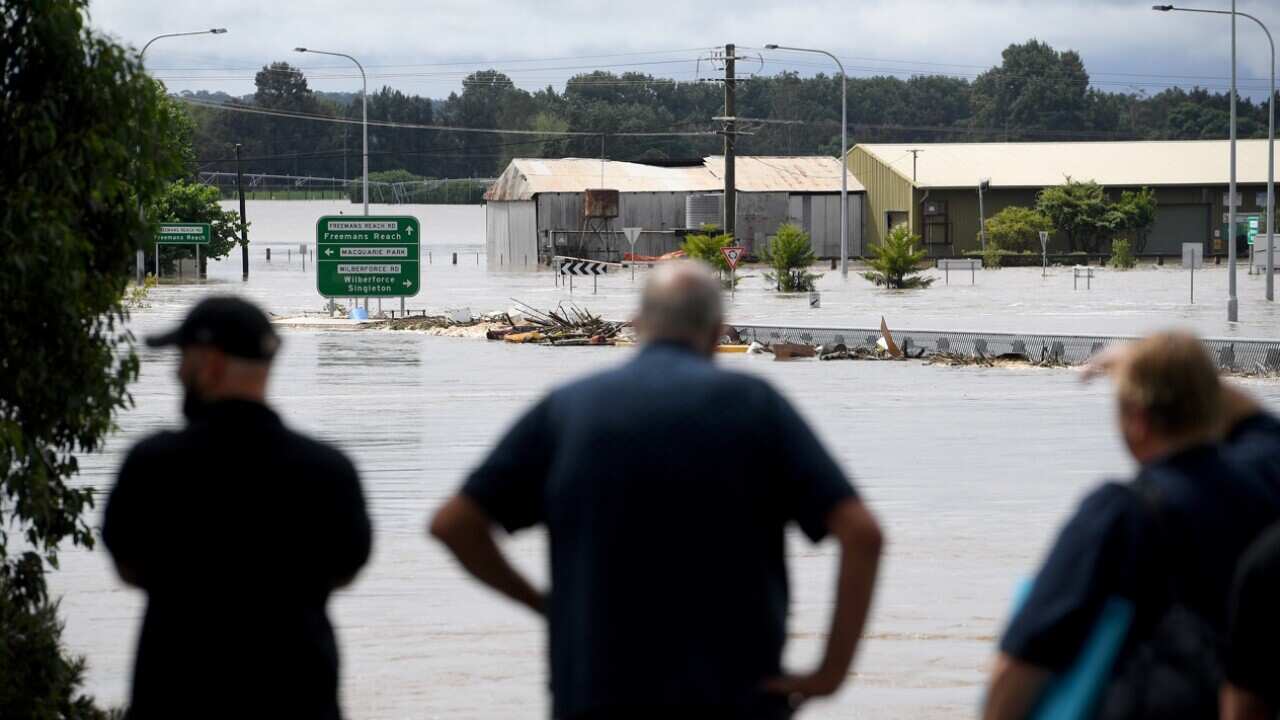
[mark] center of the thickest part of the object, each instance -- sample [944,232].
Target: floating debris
[568,326]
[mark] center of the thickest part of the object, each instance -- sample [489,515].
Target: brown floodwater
[971,469]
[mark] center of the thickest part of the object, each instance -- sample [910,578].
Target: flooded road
[971,469]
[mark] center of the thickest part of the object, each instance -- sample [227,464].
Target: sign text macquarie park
[359,256]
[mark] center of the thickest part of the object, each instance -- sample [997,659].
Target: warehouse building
[578,207]
[933,187]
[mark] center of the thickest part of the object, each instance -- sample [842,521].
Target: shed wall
[511,238]
[887,192]
[819,215]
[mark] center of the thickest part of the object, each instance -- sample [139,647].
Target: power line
[443,128]
[474,63]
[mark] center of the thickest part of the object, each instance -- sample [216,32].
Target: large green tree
[1037,92]
[87,141]
[1034,88]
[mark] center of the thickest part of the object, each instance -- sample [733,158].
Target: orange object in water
[673,255]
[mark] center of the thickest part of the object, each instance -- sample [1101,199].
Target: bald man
[238,529]
[666,486]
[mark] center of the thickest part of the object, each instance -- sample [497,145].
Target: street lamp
[1271,139]
[364,102]
[844,168]
[141,260]
[211,31]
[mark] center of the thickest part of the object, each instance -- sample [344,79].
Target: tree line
[1036,93]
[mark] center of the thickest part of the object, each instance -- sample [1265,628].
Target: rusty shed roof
[525,178]
[783,173]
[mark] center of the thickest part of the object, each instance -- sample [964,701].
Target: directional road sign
[577,266]
[368,256]
[183,234]
[733,255]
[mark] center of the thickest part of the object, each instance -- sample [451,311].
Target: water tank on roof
[703,209]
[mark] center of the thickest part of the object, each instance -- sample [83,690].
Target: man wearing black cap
[238,529]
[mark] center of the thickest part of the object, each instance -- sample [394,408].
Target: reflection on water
[970,469]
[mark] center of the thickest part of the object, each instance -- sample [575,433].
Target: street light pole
[1271,140]
[364,113]
[141,54]
[211,31]
[844,160]
[1233,302]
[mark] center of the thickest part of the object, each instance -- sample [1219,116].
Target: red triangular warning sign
[733,255]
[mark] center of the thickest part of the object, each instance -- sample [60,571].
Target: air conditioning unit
[935,207]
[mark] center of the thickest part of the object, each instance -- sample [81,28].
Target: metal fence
[1238,354]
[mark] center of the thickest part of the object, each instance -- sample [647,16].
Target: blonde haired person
[1168,541]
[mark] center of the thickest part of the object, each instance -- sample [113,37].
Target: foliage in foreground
[74,174]
[790,254]
[895,262]
[37,681]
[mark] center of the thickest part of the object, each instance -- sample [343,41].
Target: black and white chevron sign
[575,266]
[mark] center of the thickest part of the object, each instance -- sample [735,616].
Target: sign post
[1192,257]
[633,234]
[733,255]
[1044,253]
[179,233]
[374,256]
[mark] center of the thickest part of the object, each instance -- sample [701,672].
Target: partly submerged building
[933,187]
[576,206]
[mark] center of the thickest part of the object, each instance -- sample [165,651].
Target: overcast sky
[425,48]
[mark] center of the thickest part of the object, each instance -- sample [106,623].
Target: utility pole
[1233,304]
[244,228]
[730,140]
[914,153]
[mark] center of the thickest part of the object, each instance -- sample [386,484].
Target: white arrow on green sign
[359,256]
[183,234]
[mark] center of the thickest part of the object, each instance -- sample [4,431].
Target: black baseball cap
[234,326]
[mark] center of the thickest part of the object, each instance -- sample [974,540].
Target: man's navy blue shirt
[666,485]
[1175,534]
[238,529]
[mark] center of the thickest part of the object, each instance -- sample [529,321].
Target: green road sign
[183,234]
[358,256]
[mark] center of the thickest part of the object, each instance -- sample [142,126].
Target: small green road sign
[359,256]
[184,234]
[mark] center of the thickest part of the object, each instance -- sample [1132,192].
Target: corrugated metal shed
[525,178]
[1040,164]
[792,174]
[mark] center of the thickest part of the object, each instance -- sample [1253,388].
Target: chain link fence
[1235,354]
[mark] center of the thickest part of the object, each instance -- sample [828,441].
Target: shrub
[1017,228]
[993,256]
[894,263]
[790,254]
[193,202]
[705,246]
[37,681]
[1122,255]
